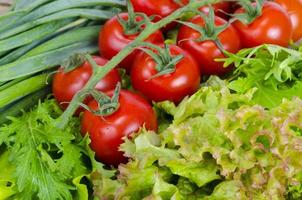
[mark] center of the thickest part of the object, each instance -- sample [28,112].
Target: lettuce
[7,181]
[275,71]
[220,145]
[40,161]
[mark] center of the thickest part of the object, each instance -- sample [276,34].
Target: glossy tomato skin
[106,133]
[112,40]
[160,8]
[66,85]
[220,9]
[294,9]
[174,86]
[272,27]
[206,52]
[163,8]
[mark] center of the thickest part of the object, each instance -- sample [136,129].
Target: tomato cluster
[162,72]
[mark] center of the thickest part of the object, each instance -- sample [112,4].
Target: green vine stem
[100,72]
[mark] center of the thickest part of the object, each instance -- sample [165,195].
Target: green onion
[44,61]
[38,35]
[28,4]
[9,19]
[31,35]
[23,104]
[60,5]
[68,38]
[12,82]
[92,14]
[18,53]
[22,89]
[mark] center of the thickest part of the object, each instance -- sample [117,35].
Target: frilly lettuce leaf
[139,182]
[7,181]
[220,145]
[275,71]
[147,149]
[228,190]
[103,180]
[46,159]
[214,94]
[200,173]
[41,161]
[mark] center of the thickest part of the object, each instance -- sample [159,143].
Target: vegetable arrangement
[40,36]
[146,116]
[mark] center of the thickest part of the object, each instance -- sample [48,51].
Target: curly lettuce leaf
[275,71]
[46,159]
[228,190]
[103,180]
[200,173]
[163,190]
[219,145]
[147,149]
[139,182]
[7,181]
[249,144]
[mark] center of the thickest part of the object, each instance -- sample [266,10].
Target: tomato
[206,51]
[157,8]
[106,132]
[112,40]
[66,85]
[220,9]
[174,86]
[160,8]
[294,9]
[163,8]
[273,26]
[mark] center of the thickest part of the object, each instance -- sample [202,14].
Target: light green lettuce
[275,71]
[220,145]
[40,161]
[7,181]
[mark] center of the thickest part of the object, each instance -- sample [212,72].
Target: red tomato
[219,8]
[294,9]
[66,85]
[106,133]
[206,51]
[112,40]
[175,86]
[160,8]
[273,26]
[163,8]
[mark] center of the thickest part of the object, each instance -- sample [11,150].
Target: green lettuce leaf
[275,71]
[139,182]
[103,180]
[7,181]
[45,159]
[200,173]
[163,190]
[228,190]
[219,145]
[147,148]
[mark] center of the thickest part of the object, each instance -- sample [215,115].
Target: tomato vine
[99,73]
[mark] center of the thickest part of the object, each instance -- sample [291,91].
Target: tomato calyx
[106,105]
[73,62]
[131,26]
[209,31]
[165,62]
[252,11]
